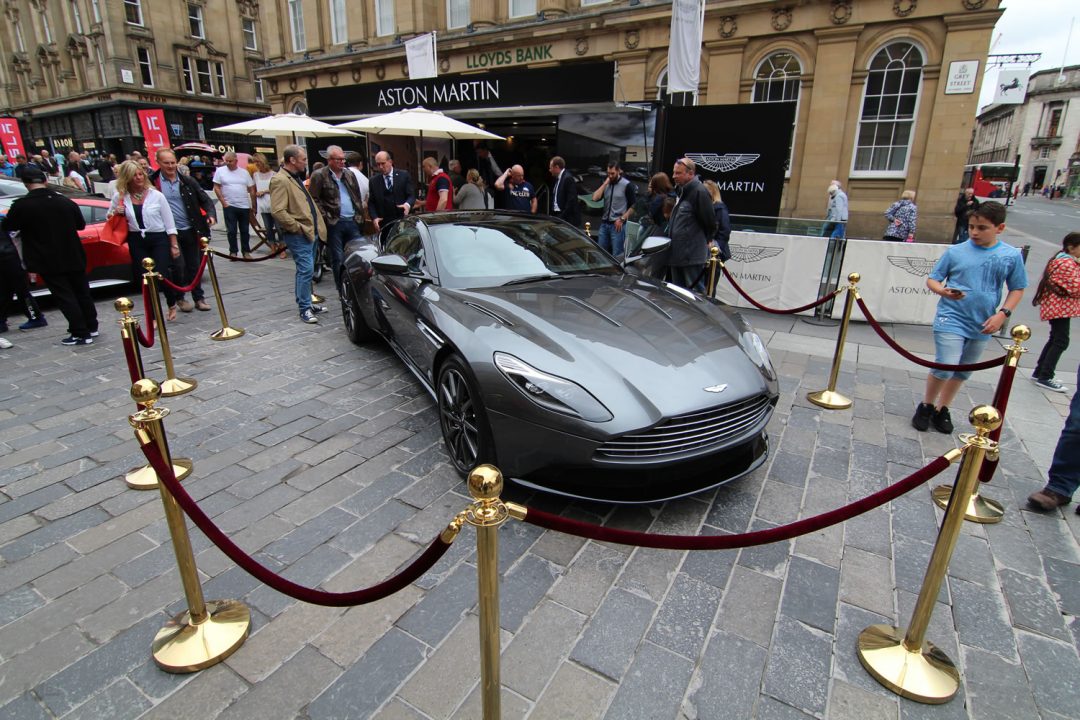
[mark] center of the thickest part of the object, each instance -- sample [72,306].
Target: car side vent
[490,313]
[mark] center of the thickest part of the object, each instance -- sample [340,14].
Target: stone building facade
[75,72]
[869,76]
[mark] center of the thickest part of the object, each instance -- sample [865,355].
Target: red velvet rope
[1001,401]
[731,542]
[231,258]
[809,306]
[984,365]
[388,587]
[133,366]
[192,285]
[147,340]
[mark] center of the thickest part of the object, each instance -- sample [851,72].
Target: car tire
[462,418]
[355,326]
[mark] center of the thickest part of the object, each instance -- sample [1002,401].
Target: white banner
[1011,87]
[684,50]
[893,283]
[779,271]
[420,52]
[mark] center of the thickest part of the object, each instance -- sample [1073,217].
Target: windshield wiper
[530,278]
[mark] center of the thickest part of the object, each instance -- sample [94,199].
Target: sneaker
[318,309]
[95,333]
[185,305]
[202,305]
[247,256]
[942,421]
[5,344]
[1046,500]
[72,340]
[921,420]
[308,316]
[35,323]
[1052,385]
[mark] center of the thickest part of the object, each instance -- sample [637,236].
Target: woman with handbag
[151,229]
[902,216]
[1058,300]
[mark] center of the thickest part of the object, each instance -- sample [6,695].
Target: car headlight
[553,393]
[755,350]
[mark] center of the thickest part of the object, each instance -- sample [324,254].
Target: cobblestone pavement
[325,461]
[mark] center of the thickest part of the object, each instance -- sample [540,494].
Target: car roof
[488,217]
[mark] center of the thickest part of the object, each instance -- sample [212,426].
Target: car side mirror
[391,265]
[651,246]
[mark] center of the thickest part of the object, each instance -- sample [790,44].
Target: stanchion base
[829,399]
[227,333]
[317,299]
[181,647]
[927,676]
[145,478]
[178,386]
[822,321]
[979,509]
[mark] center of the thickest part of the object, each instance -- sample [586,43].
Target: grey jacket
[693,223]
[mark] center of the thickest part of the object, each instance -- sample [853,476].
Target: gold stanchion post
[207,632]
[714,265]
[227,332]
[172,385]
[905,662]
[486,514]
[317,299]
[142,478]
[981,509]
[588,229]
[829,398]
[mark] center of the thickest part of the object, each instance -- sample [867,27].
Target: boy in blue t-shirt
[968,277]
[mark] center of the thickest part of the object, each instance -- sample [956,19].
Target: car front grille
[688,434]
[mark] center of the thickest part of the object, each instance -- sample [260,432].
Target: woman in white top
[151,229]
[235,188]
[261,176]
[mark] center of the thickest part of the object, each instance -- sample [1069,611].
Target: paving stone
[512,705]
[249,512]
[1053,670]
[439,612]
[1032,606]
[397,710]
[650,572]
[25,632]
[443,681]
[1064,579]
[1052,536]
[120,700]
[17,527]
[1012,548]
[749,606]
[588,578]
[558,548]
[971,560]
[728,680]
[31,501]
[308,536]
[789,468]
[375,494]
[797,671]
[850,622]
[285,692]
[524,587]
[871,531]
[847,702]
[612,635]
[771,558]
[305,508]
[910,564]
[810,594]
[997,690]
[364,533]
[713,567]
[981,619]
[771,709]
[866,581]
[23,671]
[17,603]
[52,533]
[38,564]
[653,686]
[372,680]
[684,619]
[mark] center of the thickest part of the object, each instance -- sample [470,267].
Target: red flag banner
[154,132]
[11,138]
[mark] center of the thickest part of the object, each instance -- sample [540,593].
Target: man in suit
[300,224]
[392,192]
[564,196]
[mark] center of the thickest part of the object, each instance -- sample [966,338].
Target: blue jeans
[1065,468]
[337,236]
[237,219]
[270,227]
[953,349]
[833,230]
[303,252]
[611,239]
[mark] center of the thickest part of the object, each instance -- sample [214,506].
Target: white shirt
[262,182]
[234,185]
[362,181]
[156,214]
[79,179]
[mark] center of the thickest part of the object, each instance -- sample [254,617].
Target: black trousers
[1057,344]
[187,264]
[72,294]
[13,283]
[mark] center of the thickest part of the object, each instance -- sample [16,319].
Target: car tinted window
[485,254]
[408,245]
[87,213]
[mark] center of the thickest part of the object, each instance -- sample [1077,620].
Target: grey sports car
[553,361]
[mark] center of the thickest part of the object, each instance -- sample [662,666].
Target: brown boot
[1046,500]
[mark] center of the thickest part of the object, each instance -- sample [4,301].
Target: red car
[106,263]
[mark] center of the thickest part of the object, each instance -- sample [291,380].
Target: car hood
[617,334]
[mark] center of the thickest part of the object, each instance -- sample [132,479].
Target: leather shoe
[202,305]
[185,306]
[1046,500]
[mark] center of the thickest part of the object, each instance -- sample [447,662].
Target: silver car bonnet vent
[637,295]
[590,308]
[490,313]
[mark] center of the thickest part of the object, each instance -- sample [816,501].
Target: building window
[777,80]
[20,42]
[521,8]
[586,3]
[258,90]
[202,74]
[187,75]
[339,27]
[250,38]
[45,29]
[95,9]
[296,25]
[76,17]
[1053,128]
[457,13]
[219,74]
[384,17]
[195,21]
[145,66]
[890,100]
[133,11]
[1044,153]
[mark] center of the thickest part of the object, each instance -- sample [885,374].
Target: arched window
[778,79]
[662,89]
[889,103]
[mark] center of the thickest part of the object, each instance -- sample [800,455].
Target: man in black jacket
[194,215]
[564,195]
[693,223]
[49,225]
[392,192]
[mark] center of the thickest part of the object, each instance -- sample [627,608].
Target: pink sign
[154,132]
[10,138]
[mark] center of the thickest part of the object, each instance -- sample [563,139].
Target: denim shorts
[953,349]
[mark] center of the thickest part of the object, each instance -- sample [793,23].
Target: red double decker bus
[991,180]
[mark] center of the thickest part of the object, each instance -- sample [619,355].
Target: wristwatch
[1006,312]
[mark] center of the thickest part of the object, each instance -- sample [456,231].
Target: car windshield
[15,188]
[487,254]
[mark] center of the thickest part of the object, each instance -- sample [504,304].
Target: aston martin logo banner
[780,271]
[894,279]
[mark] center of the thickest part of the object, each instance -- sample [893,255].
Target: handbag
[115,230]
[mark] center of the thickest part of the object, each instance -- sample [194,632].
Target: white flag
[420,52]
[1011,87]
[684,52]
